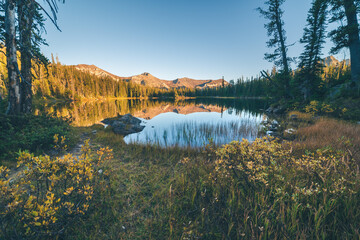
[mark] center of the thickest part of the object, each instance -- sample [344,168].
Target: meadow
[268,189]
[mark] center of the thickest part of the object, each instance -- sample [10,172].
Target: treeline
[253,87]
[67,82]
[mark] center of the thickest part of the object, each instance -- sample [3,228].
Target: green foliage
[313,38]
[341,35]
[33,133]
[277,34]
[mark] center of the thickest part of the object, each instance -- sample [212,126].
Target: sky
[201,39]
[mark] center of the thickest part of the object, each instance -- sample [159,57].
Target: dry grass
[336,134]
[300,115]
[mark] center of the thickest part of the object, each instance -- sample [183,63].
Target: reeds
[197,133]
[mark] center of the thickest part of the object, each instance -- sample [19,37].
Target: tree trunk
[14,96]
[354,41]
[279,26]
[26,11]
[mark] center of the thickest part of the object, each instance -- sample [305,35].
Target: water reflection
[169,123]
[196,129]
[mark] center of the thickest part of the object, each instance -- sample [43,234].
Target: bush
[32,133]
[264,190]
[50,194]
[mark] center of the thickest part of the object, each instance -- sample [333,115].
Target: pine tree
[14,97]
[313,38]
[277,34]
[347,36]
[30,22]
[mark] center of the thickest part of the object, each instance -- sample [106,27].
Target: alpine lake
[187,123]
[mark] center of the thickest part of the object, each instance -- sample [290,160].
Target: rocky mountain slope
[331,61]
[146,79]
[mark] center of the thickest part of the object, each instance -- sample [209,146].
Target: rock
[269,133]
[124,125]
[94,132]
[290,131]
[272,134]
[275,110]
[274,122]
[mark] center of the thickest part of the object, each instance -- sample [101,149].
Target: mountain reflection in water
[168,123]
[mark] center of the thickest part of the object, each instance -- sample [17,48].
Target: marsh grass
[197,134]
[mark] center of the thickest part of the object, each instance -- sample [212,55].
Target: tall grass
[331,133]
[242,190]
[197,134]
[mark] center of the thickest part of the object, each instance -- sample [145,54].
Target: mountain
[96,71]
[331,61]
[146,79]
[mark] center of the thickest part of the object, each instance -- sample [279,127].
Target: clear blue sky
[202,39]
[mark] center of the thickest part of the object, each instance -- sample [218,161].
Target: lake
[188,123]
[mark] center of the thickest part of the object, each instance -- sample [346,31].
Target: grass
[263,190]
[331,133]
[140,178]
[182,193]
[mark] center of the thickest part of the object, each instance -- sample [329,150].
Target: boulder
[290,131]
[124,125]
[275,110]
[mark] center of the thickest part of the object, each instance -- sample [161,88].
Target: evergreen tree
[313,38]
[347,36]
[14,94]
[30,21]
[277,34]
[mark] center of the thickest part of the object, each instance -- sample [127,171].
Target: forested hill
[78,82]
[148,80]
[67,82]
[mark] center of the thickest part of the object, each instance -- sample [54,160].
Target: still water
[191,123]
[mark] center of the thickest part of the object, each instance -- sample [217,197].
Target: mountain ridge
[331,61]
[146,79]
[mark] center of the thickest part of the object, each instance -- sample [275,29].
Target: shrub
[50,193]
[318,108]
[32,133]
[264,190]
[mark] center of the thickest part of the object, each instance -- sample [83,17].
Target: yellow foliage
[269,163]
[50,190]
